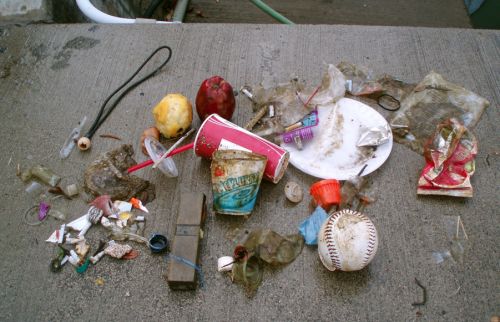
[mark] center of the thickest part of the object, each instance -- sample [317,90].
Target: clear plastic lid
[156,150]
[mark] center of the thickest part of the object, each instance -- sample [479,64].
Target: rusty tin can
[236,177]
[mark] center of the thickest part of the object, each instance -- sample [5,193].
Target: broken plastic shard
[57,214]
[361,80]
[136,203]
[34,187]
[57,236]
[440,257]
[80,223]
[122,206]
[457,251]
[42,173]
[70,142]
[122,234]
[108,175]
[433,101]
[248,272]
[457,238]
[71,190]
[273,248]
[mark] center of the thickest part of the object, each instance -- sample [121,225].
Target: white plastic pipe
[94,14]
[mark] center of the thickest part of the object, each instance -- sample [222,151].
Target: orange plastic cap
[326,193]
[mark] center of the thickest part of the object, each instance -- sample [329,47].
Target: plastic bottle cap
[326,192]
[158,243]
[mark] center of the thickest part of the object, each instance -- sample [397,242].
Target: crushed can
[236,177]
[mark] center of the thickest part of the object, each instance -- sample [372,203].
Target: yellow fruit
[173,115]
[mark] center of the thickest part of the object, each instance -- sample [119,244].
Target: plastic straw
[150,162]
[172,148]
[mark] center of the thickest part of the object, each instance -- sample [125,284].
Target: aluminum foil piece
[374,136]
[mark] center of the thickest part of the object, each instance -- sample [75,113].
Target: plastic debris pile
[311,126]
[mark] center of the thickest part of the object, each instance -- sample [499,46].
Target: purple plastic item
[304,134]
[43,210]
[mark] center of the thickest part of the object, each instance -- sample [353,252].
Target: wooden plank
[186,247]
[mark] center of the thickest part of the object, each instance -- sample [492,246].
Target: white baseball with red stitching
[347,241]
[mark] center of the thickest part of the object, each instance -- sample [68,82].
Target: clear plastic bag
[431,102]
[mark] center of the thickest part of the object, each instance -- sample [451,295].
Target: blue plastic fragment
[310,226]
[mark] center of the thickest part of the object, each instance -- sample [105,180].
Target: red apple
[215,96]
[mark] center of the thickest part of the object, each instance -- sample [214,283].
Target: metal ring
[389,109]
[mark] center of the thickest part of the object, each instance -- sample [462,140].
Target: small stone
[293,192]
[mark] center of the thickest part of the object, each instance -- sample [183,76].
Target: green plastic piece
[82,268]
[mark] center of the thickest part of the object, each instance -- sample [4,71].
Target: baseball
[347,241]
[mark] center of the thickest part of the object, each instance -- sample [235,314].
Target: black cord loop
[104,113]
[391,99]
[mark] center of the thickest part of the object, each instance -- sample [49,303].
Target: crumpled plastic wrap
[264,245]
[359,79]
[431,102]
[449,161]
[294,100]
[273,248]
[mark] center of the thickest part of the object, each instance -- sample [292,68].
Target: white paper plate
[336,156]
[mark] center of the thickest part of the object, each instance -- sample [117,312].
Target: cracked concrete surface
[40,105]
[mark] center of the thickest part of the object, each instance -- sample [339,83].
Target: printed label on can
[236,195]
[228,145]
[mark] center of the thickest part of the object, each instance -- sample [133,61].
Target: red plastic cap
[326,193]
